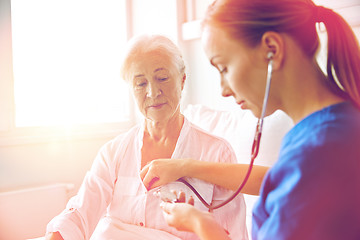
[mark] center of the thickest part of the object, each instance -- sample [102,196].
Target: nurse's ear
[273,42]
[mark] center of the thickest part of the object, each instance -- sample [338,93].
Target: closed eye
[142,84]
[162,79]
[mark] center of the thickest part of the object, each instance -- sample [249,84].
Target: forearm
[227,175]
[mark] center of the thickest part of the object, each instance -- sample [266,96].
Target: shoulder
[206,137]
[331,130]
[213,145]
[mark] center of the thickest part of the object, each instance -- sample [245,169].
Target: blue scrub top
[313,191]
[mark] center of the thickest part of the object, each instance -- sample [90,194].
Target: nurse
[312,191]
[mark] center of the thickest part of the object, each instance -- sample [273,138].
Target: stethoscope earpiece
[270,55]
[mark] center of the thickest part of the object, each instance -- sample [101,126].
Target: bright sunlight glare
[66,62]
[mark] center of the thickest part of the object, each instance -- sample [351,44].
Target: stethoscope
[254,149]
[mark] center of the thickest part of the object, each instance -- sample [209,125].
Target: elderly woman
[113,191]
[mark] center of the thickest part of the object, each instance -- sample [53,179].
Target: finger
[191,201]
[152,182]
[156,183]
[181,197]
[166,207]
[144,171]
[166,213]
[146,180]
[174,192]
[147,177]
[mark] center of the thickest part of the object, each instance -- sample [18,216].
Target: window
[66,61]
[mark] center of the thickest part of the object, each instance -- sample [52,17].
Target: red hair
[248,20]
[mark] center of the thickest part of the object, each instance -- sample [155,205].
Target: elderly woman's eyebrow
[139,75]
[159,69]
[156,70]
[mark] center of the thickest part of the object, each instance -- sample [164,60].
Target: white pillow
[238,128]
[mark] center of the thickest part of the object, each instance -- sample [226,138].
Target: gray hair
[142,44]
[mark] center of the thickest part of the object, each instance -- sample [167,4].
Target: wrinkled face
[242,71]
[157,84]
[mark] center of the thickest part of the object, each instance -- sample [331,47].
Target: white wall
[42,163]
[155,17]
[203,80]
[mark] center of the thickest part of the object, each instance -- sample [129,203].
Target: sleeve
[233,215]
[84,210]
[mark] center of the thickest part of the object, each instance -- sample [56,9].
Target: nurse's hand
[162,171]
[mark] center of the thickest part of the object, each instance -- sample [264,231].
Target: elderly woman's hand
[180,215]
[185,217]
[162,171]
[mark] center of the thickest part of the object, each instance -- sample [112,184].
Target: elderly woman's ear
[183,81]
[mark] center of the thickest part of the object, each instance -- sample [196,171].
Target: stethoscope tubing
[254,149]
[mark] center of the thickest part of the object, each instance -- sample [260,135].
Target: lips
[156,105]
[241,103]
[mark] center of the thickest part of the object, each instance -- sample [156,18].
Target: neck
[162,131]
[307,91]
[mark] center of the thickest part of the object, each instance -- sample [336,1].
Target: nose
[225,89]
[153,90]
